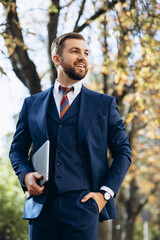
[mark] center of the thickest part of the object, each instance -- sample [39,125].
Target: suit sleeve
[120,149]
[20,146]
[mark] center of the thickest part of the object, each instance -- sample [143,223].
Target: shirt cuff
[108,190]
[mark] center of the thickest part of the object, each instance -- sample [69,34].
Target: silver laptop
[40,161]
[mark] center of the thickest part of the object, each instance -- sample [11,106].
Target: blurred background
[124,44]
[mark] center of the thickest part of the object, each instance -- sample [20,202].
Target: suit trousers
[65,217]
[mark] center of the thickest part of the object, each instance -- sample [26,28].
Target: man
[79,124]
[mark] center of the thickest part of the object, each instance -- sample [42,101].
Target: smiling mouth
[80,66]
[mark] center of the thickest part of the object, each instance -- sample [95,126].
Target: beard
[73,73]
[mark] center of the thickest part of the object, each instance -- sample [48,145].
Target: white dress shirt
[71,96]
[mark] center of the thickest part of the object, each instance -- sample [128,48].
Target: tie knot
[65,90]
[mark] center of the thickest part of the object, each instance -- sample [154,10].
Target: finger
[36,189]
[37,175]
[86,197]
[40,190]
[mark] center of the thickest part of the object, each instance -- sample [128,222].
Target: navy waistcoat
[67,169]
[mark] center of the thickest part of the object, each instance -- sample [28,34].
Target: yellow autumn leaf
[105,70]
[11,51]
[129,118]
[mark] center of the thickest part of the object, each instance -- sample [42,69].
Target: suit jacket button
[60,126]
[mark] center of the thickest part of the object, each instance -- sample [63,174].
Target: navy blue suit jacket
[99,126]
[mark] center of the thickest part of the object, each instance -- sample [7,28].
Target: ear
[56,60]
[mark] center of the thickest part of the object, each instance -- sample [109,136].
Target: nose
[82,56]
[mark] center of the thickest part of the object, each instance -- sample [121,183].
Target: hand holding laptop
[30,181]
[35,180]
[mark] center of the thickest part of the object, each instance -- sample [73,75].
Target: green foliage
[52,8]
[11,201]
[138,230]
[130,72]
[133,78]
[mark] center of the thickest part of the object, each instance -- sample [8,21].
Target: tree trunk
[130,229]
[105,50]
[114,231]
[52,34]
[23,66]
[103,231]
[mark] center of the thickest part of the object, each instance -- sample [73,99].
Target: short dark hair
[57,44]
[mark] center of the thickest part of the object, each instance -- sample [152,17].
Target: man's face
[74,58]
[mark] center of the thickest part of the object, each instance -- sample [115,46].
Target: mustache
[81,62]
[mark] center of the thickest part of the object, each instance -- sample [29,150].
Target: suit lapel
[40,104]
[89,103]
[52,109]
[88,107]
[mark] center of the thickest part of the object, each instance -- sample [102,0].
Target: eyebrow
[86,50]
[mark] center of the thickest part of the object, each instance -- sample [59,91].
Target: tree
[130,72]
[131,75]
[23,66]
[11,202]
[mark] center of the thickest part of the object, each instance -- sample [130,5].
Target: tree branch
[23,67]
[91,19]
[67,5]
[132,4]
[126,90]
[79,15]
[144,202]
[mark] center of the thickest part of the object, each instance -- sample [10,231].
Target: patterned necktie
[64,105]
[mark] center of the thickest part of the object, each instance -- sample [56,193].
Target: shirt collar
[77,86]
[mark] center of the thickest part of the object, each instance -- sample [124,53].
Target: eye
[86,53]
[74,51]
